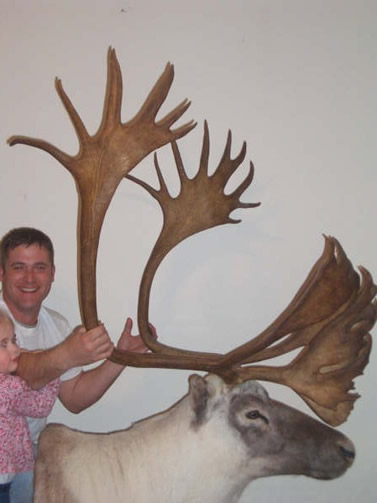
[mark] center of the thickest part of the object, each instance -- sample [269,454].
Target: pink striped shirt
[18,400]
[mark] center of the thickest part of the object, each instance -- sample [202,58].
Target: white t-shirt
[51,329]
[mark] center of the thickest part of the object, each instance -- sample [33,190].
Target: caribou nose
[347,450]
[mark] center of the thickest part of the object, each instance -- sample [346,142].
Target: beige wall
[294,79]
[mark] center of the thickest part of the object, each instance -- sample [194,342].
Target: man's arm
[88,387]
[80,348]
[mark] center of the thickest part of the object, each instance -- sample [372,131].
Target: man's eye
[40,267]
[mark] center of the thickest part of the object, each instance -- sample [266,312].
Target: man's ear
[1,273]
[52,273]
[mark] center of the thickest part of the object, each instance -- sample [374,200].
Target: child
[17,400]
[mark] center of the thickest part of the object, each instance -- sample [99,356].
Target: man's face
[26,279]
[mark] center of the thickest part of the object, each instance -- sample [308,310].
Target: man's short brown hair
[24,236]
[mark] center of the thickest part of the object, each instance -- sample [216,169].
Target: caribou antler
[105,158]
[201,204]
[329,318]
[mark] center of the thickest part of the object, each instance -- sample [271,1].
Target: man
[27,271]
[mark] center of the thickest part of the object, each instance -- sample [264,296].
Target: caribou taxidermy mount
[329,318]
[205,449]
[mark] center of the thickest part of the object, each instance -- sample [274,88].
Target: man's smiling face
[26,279]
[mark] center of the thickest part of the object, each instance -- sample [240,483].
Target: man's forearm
[40,367]
[87,388]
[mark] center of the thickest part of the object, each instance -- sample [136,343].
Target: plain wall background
[297,81]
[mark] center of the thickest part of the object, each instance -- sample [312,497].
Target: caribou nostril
[347,453]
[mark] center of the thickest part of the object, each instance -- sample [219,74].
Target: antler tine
[105,158]
[77,123]
[227,165]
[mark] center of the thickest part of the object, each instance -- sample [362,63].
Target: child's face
[9,350]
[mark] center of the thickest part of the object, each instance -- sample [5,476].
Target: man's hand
[88,346]
[133,343]
[80,348]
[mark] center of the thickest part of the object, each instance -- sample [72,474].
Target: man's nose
[29,275]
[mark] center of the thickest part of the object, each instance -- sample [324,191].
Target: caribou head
[205,448]
[330,316]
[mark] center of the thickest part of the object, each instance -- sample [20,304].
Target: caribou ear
[203,390]
[199,394]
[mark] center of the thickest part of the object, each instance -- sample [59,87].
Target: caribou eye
[255,414]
